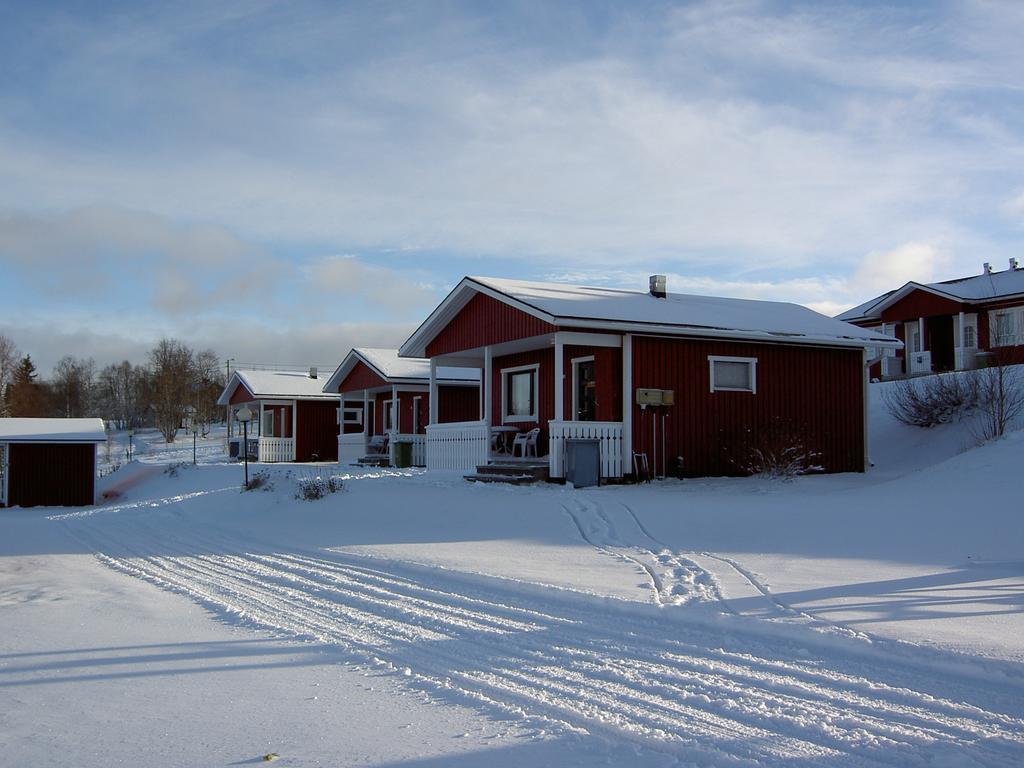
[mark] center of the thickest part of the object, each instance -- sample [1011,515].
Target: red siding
[316,430]
[51,475]
[360,377]
[485,321]
[241,395]
[545,389]
[282,420]
[918,304]
[457,404]
[608,374]
[813,394]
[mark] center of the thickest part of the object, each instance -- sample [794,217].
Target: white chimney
[312,372]
[986,268]
[1014,263]
[658,286]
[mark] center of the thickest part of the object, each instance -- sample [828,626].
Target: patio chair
[377,445]
[526,442]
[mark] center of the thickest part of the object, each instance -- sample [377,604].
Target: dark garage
[48,462]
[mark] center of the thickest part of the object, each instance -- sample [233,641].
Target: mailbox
[655,397]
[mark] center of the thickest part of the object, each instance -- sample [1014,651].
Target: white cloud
[346,277]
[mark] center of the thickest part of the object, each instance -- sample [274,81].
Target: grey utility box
[583,462]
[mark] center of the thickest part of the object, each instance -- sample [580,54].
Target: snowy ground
[417,620]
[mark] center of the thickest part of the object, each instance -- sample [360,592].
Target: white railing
[274,449]
[919,362]
[892,366]
[608,432]
[419,447]
[351,447]
[460,446]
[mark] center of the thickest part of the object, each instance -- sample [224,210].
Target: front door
[585,394]
[941,342]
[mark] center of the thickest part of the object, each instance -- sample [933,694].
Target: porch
[267,450]
[354,448]
[473,446]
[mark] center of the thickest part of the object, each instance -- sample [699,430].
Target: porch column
[920,331]
[367,426]
[396,414]
[559,378]
[295,420]
[958,356]
[433,391]
[259,429]
[627,404]
[486,385]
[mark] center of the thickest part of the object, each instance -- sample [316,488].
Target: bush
[779,451]
[1000,401]
[260,481]
[932,400]
[313,487]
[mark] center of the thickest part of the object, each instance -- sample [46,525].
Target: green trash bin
[403,454]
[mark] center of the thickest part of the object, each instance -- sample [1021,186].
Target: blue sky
[281,181]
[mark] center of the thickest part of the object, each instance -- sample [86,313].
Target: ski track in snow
[561,663]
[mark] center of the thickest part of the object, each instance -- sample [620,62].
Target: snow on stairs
[375,460]
[516,472]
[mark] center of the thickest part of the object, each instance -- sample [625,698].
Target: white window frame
[416,401]
[505,418]
[267,412]
[1014,336]
[352,416]
[751,361]
[575,362]
[913,337]
[388,420]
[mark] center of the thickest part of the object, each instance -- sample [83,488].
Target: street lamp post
[244,415]
[131,446]
[195,432]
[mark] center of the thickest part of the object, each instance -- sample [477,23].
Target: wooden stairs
[514,472]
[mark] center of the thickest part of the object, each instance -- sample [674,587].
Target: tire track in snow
[566,664]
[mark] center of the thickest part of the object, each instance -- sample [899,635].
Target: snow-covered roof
[267,385]
[394,369]
[20,430]
[970,290]
[574,306]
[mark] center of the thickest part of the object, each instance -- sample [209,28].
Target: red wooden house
[388,396]
[579,362]
[293,418]
[947,325]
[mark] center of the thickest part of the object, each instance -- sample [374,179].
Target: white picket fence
[608,432]
[458,446]
[419,447]
[351,448]
[273,449]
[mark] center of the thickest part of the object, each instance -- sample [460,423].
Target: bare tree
[122,390]
[207,386]
[72,387]
[172,366]
[8,364]
[1001,397]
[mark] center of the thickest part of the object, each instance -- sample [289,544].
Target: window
[416,401]
[584,389]
[352,416]
[519,393]
[268,424]
[970,340]
[913,337]
[733,374]
[389,415]
[1005,333]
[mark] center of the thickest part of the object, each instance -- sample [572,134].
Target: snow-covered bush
[931,400]
[312,486]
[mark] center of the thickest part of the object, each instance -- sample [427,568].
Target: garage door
[51,475]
